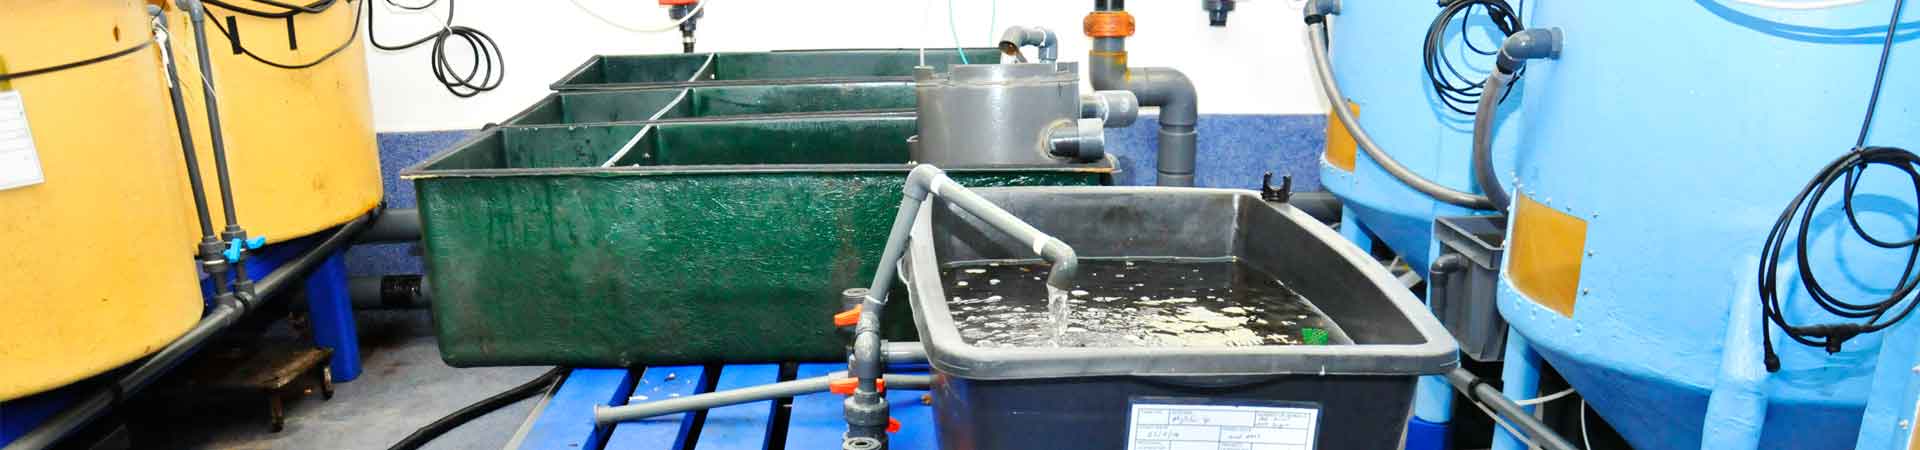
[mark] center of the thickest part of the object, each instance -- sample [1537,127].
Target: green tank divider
[630,71]
[1313,336]
[707,241]
[630,105]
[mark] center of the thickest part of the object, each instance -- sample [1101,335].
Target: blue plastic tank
[1377,51]
[1656,154]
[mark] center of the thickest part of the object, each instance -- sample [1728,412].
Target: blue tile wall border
[1235,149]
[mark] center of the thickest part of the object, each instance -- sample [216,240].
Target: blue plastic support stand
[1521,376]
[1737,408]
[1888,422]
[330,311]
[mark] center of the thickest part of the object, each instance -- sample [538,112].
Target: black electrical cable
[433,430]
[1847,169]
[351,36]
[1460,92]
[489,64]
[290,9]
[10,76]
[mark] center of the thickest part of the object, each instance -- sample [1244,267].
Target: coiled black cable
[1458,91]
[351,35]
[1847,169]
[489,65]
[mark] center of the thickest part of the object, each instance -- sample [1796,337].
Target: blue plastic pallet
[564,419]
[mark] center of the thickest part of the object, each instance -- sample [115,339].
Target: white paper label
[19,161]
[1182,424]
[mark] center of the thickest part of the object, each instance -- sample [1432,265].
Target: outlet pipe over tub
[1171,91]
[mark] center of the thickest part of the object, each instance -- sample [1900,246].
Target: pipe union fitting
[1118,109]
[1081,140]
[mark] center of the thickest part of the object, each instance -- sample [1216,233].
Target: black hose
[1847,171]
[433,430]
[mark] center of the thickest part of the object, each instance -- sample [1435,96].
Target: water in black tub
[1132,303]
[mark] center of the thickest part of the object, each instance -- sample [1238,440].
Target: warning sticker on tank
[1166,423]
[19,160]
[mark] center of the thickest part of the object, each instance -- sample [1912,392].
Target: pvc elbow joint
[1041,38]
[1531,43]
[920,181]
[1317,11]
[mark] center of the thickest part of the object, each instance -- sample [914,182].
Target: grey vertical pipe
[1163,87]
[197,12]
[1484,394]
[229,310]
[194,181]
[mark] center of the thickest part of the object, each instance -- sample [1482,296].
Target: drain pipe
[1041,38]
[894,353]
[229,310]
[1507,410]
[1526,44]
[607,415]
[208,252]
[866,409]
[1316,17]
[1109,25]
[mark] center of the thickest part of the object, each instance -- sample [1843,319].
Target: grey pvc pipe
[1162,87]
[1322,66]
[63,424]
[605,415]
[1537,432]
[1483,116]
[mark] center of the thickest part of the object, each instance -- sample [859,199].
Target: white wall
[1257,65]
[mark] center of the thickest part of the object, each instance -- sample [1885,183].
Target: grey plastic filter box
[1081,398]
[1463,281]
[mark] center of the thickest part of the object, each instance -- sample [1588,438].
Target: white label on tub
[19,161]
[1202,424]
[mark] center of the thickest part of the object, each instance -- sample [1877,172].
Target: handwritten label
[19,160]
[1192,425]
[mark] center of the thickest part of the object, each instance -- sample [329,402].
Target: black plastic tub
[1324,397]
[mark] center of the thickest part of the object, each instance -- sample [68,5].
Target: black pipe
[387,292]
[224,314]
[1109,5]
[395,225]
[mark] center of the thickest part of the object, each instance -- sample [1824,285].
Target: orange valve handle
[1108,24]
[846,386]
[893,425]
[847,318]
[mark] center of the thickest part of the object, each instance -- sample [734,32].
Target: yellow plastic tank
[96,264]
[300,142]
